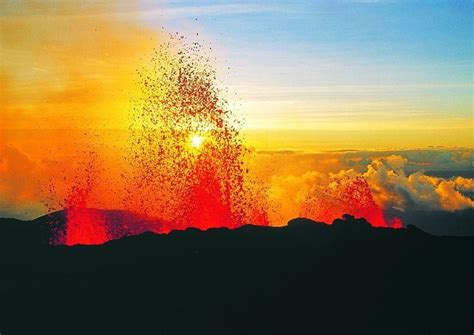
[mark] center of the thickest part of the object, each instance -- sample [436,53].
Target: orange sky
[66,66]
[68,80]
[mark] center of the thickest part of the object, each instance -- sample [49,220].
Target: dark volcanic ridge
[119,224]
[303,278]
[47,228]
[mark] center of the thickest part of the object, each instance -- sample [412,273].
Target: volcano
[80,226]
[306,277]
[89,226]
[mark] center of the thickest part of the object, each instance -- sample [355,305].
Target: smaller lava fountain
[346,195]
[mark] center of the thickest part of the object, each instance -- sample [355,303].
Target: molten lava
[186,152]
[346,195]
[186,166]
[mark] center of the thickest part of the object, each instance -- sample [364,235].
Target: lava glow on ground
[187,165]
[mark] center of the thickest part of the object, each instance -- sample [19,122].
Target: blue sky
[327,65]
[345,64]
[370,31]
[311,76]
[395,59]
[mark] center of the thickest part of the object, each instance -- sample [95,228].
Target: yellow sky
[73,67]
[66,66]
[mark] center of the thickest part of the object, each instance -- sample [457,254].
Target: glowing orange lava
[186,152]
[346,195]
[186,163]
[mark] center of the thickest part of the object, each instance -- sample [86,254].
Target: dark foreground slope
[306,278]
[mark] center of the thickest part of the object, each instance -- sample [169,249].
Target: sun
[196,141]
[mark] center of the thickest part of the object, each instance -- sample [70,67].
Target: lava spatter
[186,153]
[345,195]
[186,164]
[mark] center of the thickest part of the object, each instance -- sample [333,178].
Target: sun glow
[196,141]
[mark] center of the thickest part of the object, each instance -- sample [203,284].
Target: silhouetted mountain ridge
[123,223]
[304,278]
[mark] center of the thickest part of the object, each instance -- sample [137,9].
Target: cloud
[325,185]
[321,185]
[288,193]
[16,170]
[66,67]
[392,187]
[186,11]
[323,197]
[18,187]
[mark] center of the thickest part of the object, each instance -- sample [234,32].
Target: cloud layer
[393,187]
[398,181]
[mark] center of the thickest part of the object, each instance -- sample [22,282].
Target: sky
[374,68]
[378,89]
[326,74]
